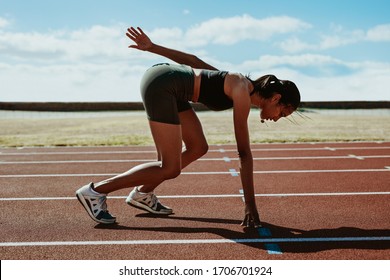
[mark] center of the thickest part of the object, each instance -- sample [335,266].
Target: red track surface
[316,201]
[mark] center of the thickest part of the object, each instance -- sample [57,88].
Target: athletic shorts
[166,90]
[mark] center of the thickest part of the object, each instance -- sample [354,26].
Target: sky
[65,51]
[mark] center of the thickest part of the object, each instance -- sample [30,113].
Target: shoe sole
[81,199]
[141,206]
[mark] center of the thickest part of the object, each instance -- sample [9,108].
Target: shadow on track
[276,231]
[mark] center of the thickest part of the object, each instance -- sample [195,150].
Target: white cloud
[294,61]
[94,64]
[379,33]
[363,85]
[334,41]
[167,36]
[3,22]
[105,44]
[120,81]
[87,82]
[227,31]
[359,80]
[339,37]
[97,43]
[294,45]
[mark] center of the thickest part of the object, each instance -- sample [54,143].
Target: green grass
[121,129]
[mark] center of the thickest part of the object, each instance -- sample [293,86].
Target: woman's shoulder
[237,80]
[236,84]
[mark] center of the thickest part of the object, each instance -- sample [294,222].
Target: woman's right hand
[251,218]
[142,41]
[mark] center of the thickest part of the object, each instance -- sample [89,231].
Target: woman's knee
[203,149]
[198,150]
[171,172]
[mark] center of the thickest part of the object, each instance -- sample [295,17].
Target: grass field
[21,129]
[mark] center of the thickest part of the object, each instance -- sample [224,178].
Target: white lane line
[4,153]
[199,173]
[242,195]
[319,149]
[226,159]
[234,172]
[356,157]
[205,196]
[75,161]
[320,171]
[197,241]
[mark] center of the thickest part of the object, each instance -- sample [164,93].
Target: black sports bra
[211,90]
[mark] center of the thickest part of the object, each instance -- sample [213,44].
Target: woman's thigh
[168,141]
[193,136]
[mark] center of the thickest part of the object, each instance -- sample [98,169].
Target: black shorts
[166,91]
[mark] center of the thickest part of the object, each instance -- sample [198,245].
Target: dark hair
[267,85]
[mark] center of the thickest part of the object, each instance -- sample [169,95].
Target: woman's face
[272,110]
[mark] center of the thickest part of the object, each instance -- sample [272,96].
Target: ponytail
[267,85]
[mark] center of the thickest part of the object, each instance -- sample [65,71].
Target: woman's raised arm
[143,42]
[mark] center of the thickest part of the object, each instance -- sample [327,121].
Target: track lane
[213,218]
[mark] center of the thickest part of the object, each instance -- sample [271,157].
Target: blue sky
[77,50]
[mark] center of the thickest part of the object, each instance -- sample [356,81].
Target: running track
[316,201]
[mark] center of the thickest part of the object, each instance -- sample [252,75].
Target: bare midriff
[197,79]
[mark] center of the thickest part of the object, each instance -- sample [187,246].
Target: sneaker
[148,202]
[95,204]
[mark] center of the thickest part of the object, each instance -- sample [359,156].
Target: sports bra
[211,92]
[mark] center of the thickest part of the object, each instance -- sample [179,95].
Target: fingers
[256,224]
[256,221]
[246,221]
[135,32]
[249,221]
[140,31]
[132,33]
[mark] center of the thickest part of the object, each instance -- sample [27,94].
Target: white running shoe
[148,202]
[95,204]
